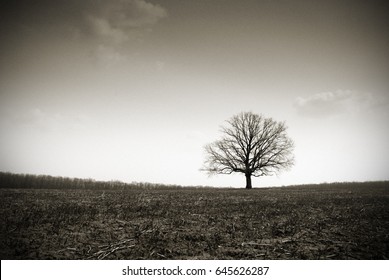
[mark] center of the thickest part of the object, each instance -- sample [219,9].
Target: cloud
[102,28]
[113,21]
[325,103]
[106,31]
[43,121]
[140,14]
[108,56]
[119,20]
[336,103]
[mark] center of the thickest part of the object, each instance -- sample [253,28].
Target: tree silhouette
[252,145]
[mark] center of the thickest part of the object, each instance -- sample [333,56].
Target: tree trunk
[248,181]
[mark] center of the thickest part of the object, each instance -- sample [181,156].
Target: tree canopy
[251,144]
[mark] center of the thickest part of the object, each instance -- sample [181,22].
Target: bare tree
[252,145]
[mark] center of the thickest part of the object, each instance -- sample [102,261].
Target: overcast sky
[133,90]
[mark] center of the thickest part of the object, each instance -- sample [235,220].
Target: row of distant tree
[29,181]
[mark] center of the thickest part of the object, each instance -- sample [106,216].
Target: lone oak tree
[252,145]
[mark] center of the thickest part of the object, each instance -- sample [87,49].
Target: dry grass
[337,221]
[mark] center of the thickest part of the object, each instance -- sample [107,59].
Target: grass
[332,221]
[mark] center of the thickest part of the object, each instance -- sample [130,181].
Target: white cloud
[118,21]
[140,13]
[119,24]
[103,29]
[114,24]
[44,121]
[108,56]
[336,103]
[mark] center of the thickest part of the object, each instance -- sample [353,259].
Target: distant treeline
[29,181]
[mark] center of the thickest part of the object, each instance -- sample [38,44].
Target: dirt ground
[332,221]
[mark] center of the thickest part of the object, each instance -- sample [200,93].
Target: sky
[132,90]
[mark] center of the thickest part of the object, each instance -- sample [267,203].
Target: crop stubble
[332,221]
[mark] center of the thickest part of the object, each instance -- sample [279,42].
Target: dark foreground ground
[336,221]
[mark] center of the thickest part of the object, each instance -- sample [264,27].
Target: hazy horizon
[132,90]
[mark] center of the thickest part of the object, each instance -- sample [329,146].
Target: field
[330,221]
